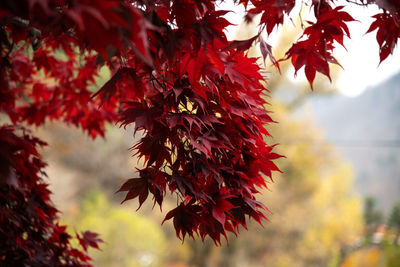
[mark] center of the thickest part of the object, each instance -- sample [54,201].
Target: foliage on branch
[197,98]
[29,232]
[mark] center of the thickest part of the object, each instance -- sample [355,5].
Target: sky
[360,59]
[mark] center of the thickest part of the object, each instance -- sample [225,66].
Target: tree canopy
[197,99]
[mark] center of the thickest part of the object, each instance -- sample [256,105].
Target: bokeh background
[337,202]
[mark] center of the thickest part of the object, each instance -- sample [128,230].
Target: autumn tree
[197,98]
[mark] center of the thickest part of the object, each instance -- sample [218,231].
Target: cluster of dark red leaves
[196,98]
[202,114]
[29,232]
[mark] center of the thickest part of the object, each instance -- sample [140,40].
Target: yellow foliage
[131,240]
[369,257]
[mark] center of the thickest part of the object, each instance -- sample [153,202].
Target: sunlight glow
[361,60]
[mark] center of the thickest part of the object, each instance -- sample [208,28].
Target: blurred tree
[394,218]
[131,240]
[381,243]
[372,217]
[391,253]
[366,257]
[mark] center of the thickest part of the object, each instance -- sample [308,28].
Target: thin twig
[356,3]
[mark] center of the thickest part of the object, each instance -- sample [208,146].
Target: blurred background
[337,202]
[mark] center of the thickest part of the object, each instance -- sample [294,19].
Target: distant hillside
[366,130]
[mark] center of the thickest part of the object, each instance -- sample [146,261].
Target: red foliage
[196,97]
[30,234]
[388,32]
[315,52]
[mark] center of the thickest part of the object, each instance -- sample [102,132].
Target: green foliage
[391,252]
[394,218]
[381,244]
[131,240]
[372,216]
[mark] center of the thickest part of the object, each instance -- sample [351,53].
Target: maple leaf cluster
[30,234]
[196,98]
